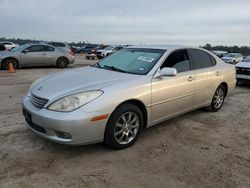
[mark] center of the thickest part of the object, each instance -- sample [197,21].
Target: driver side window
[179,60]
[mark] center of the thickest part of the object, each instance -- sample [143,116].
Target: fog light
[63,135]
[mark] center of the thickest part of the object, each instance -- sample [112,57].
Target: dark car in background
[86,49]
[2,47]
[94,50]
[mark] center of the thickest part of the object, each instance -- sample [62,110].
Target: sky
[187,22]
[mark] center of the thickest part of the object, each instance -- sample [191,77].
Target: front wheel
[6,63]
[218,99]
[123,127]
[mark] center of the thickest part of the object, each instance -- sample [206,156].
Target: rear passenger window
[179,60]
[200,59]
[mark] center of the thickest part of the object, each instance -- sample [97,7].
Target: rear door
[207,76]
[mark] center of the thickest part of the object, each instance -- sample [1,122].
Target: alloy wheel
[219,98]
[126,127]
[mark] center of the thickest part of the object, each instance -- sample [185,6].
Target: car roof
[35,44]
[6,42]
[162,47]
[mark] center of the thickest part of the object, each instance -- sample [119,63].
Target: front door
[172,95]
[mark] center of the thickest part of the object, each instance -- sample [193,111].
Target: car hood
[78,80]
[243,64]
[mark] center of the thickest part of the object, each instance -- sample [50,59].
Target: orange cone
[11,68]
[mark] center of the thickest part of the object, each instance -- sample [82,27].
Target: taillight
[70,51]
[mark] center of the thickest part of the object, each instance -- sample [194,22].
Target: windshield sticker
[146,59]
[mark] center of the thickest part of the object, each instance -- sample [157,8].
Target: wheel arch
[224,84]
[1,64]
[62,57]
[140,105]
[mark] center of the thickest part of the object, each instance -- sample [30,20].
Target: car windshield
[247,59]
[230,55]
[20,48]
[133,61]
[109,48]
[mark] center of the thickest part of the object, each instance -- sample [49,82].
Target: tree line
[245,50]
[25,41]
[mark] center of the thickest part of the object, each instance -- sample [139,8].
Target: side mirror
[25,51]
[167,71]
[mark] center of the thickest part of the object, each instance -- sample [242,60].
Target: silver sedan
[36,55]
[135,88]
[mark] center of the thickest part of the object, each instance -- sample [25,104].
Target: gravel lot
[198,149]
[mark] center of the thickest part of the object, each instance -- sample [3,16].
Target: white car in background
[107,51]
[219,53]
[243,70]
[9,45]
[232,58]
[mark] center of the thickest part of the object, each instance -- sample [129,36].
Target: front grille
[99,53]
[245,71]
[38,101]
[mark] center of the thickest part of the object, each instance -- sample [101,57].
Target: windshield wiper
[114,68]
[96,65]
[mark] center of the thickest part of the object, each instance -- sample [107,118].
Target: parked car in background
[220,54]
[107,51]
[232,58]
[243,70]
[135,88]
[35,55]
[94,50]
[86,49]
[8,45]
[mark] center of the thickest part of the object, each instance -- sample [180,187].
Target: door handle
[190,78]
[217,73]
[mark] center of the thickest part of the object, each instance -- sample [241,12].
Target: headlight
[72,102]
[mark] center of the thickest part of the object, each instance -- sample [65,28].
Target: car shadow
[243,84]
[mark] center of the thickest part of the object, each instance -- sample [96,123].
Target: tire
[6,63]
[62,62]
[124,127]
[218,99]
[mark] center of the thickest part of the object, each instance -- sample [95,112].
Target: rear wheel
[218,99]
[124,126]
[6,63]
[62,62]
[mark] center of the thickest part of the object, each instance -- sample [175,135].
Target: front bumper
[72,128]
[242,77]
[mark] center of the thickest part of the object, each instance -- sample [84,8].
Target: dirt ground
[198,149]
